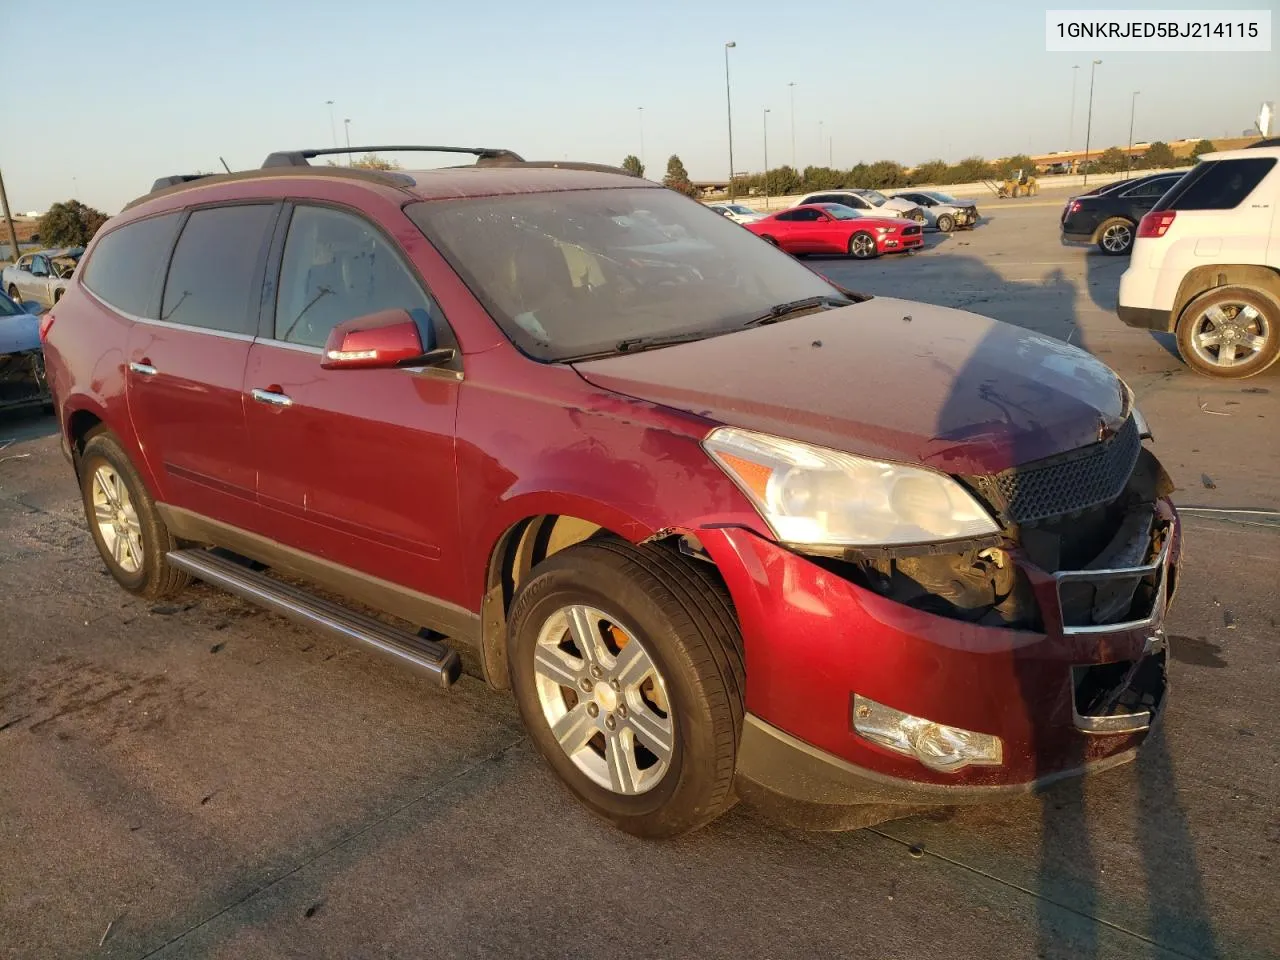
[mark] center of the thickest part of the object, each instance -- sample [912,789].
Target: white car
[942,211]
[42,276]
[737,212]
[1206,264]
[869,201]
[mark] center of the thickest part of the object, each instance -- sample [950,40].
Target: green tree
[1110,161]
[371,161]
[1158,156]
[886,173]
[931,171]
[782,181]
[677,178]
[1011,165]
[1201,148]
[969,170]
[631,163]
[859,175]
[70,224]
[820,178]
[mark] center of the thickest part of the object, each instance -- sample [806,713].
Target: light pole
[1071,125]
[333,129]
[728,104]
[1128,157]
[792,87]
[821,137]
[640,112]
[831,151]
[766,158]
[1088,127]
[346,125]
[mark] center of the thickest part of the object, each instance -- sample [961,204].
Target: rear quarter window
[1217,184]
[128,265]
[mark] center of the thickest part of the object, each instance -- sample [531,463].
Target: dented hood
[887,378]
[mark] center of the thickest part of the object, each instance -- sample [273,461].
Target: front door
[353,466]
[186,369]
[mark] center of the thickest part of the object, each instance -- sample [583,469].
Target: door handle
[273,397]
[143,369]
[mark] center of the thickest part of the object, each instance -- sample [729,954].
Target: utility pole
[13,234]
[831,150]
[728,103]
[766,158]
[640,111]
[792,87]
[333,129]
[1071,126]
[1088,129]
[821,137]
[1128,157]
[346,125]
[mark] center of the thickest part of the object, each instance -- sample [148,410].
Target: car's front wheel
[1115,238]
[123,520]
[862,246]
[13,294]
[626,662]
[1230,332]
[946,223]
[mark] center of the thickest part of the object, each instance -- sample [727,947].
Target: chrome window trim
[168,324]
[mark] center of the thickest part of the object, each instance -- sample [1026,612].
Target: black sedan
[1109,215]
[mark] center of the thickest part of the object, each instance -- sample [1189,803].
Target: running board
[427,656]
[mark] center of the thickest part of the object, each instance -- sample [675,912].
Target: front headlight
[812,495]
[883,229]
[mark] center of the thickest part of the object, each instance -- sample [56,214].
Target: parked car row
[833,228]
[41,276]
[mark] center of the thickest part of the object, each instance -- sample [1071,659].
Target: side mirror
[32,307]
[379,341]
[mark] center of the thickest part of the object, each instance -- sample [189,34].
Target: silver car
[941,210]
[869,201]
[42,277]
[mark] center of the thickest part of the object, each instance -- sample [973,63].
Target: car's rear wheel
[1230,332]
[946,222]
[1115,237]
[13,294]
[862,246]
[626,664]
[123,520]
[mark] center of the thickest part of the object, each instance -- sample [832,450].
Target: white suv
[1206,264]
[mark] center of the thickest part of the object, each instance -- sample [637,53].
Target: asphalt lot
[200,779]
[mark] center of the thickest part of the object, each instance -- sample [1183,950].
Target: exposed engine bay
[22,379]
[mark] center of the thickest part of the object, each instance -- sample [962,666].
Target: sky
[157,92]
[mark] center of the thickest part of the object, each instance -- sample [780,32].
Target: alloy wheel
[1117,238]
[117,519]
[863,246]
[1228,334]
[604,699]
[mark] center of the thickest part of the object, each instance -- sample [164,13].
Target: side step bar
[427,656]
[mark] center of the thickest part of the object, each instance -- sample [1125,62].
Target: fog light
[936,745]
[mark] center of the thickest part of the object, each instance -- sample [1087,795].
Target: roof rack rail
[300,158]
[1265,142]
[556,164]
[179,178]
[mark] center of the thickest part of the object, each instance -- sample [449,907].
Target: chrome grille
[1084,478]
[910,231]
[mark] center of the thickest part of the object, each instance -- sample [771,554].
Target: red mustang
[835,228]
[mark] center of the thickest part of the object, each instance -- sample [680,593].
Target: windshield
[739,208]
[840,211]
[574,273]
[874,196]
[941,197]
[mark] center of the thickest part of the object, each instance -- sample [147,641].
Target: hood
[897,203]
[890,379]
[19,334]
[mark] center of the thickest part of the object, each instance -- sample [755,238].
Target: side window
[128,264]
[215,280]
[810,215]
[337,267]
[1218,184]
[788,215]
[855,201]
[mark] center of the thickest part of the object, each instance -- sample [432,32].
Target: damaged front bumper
[1065,697]
[22,380]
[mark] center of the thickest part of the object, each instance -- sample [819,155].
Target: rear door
[1138,200]
[186,366]
[354,466]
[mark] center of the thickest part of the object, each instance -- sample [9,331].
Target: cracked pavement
[200,779]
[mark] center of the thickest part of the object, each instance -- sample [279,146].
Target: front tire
[626,663]
[1115,237]
[862,246]
[946,223]
[13,294]
[1230,332]
[124,523]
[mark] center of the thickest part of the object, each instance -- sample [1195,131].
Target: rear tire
[1115,237]
[13,294]
[1239,323]
[124,522]
[946,223]
[862,246]
[604,596]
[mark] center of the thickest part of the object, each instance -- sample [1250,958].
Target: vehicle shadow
[27,423]
[1013,419]
[1103,282]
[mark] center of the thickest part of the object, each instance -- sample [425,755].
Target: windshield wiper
[636,344]
[783,310]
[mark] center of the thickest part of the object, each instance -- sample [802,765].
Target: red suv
[723,528]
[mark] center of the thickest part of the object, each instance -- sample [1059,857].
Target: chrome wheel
[862,246]
[1229,334]
[117,520]
[1117,238]
[604,699]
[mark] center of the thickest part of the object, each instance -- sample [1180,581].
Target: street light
[792,87]
[640,111]
[728,103]
[766,158]
[1088,128]
[821,137]
[346,125]
[1071,125]
[1128,157]
[333,130]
